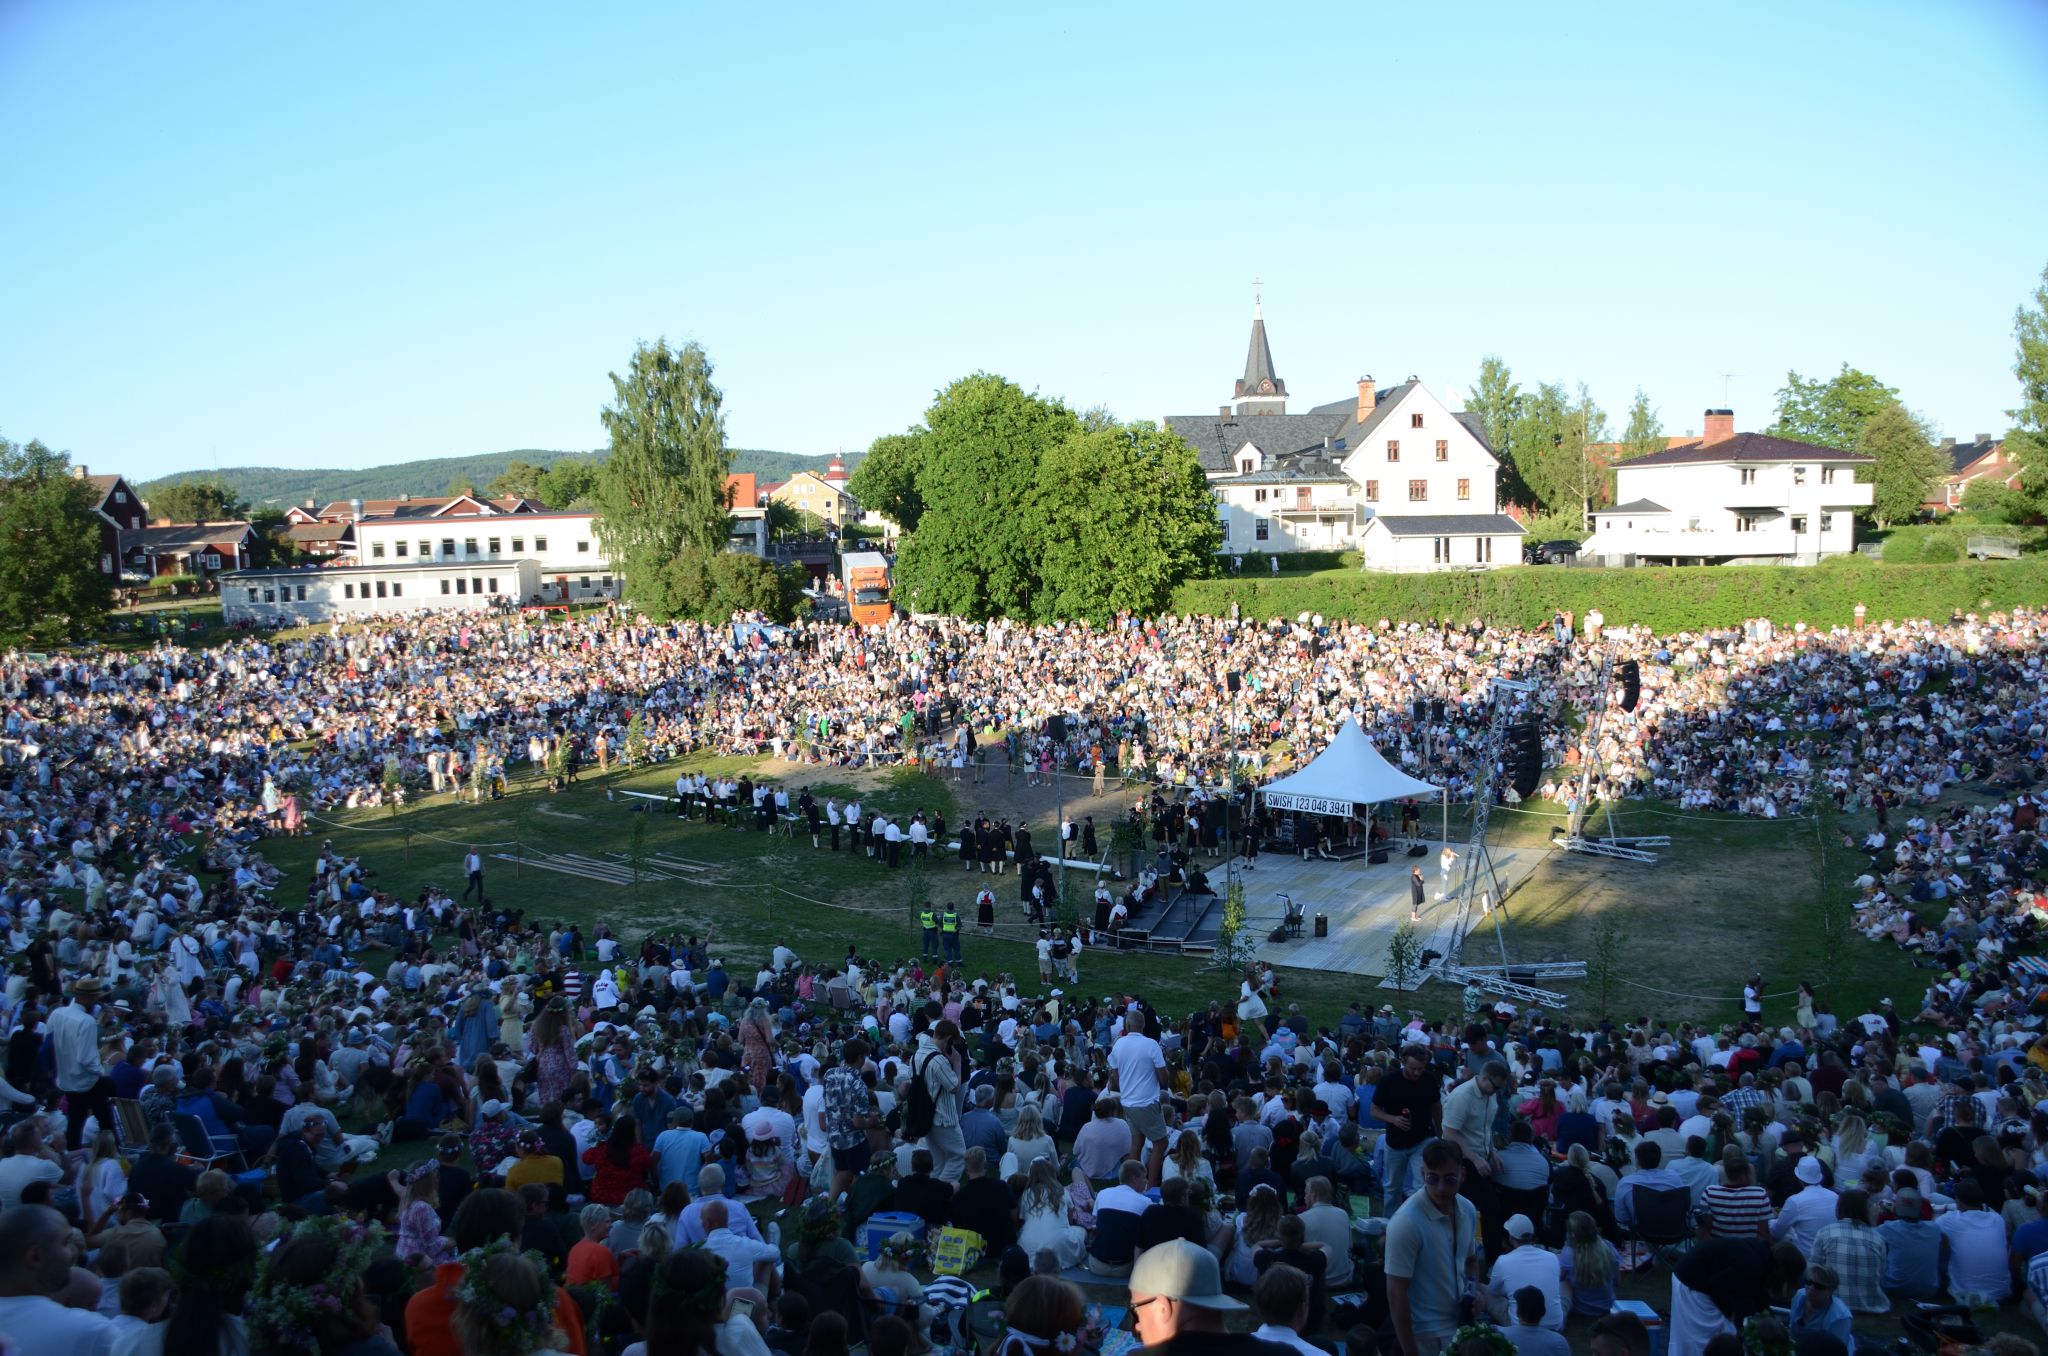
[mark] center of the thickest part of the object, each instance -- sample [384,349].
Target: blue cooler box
[882,1226]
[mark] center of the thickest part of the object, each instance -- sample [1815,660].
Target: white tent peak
[1349,770]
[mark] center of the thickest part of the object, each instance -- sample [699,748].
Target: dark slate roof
[1962,454]
[1449,524]
[1476,426]
[1259,379]
[1747,448]
[1635,506]
[174,536]
[303,533]
[1216,440]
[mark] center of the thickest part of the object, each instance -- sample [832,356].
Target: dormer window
[1245,467]
[1749,475]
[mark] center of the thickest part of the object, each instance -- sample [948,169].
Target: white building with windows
[1732,497]
[1392,473]
[564,548]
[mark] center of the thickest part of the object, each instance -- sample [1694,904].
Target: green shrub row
[1259,563]
[1667,600]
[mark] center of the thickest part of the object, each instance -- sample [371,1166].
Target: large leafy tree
[1907,466]
[1496,398]
[660,494]
[1833,412]
[1645,431]
[51,585]
[197,501]
[887,477]
[519,478]
[973,553]
[1121,516]
[2027,440]
[567,483]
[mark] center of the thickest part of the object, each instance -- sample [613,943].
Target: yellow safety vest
[951,921]
[927,920]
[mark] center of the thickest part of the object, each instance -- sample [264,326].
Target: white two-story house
[1393,474]
[1746,498]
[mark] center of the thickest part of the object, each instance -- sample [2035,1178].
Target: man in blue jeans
[1408,1105]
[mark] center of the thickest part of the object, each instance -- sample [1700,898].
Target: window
[270,595]
[1464,489]
[1443,449]
[1799,475]
[348,590]
[1339,444]
[1415,421]
[376,550]
[1827,475]
[493,583]
[1393,449]
[540,545]
[493,545]
[605,583]
[302,593]
[584,583]
[582,548]
[1245,467]
[1258,496]
[120,496]
[1302,497]
[469,547]
[476,583]
[519,546]
[1798,524]
[1745,522]
[1485,549]
[397,589]
[212,561]
[1372,492]
[447,548]
[380,588]
[252,595]
[446,587]
[461,584]
[398,547]
[1443,549]
[426,550]
[1226,529]
[1259,529]
[1749,475]
[1418,491]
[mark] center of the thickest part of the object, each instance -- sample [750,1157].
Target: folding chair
[1663,1218]
[202,1146]
[131,1127]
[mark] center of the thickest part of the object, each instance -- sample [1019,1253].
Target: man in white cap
[1178,1304]
[1525,1263]
[1807,1211]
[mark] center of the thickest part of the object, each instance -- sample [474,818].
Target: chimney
[405,496]
[1947,443]
[1365,398]
[80,471]
[1983,438]
[355,510]
[1223,411]
[1720,427]
[309,506]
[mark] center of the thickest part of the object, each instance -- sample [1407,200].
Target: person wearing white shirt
[1808,1211]
[744,1257]
[1978,1263]
[1525,1263]
[1135,1063]
[37,1242]
[1281,1299]
[75,1047]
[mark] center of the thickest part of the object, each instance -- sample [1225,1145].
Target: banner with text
[1315,805]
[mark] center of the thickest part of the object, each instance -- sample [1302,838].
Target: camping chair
[200,1145]
[1663,1218]
[131,1127]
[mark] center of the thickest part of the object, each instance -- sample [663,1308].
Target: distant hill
[278,486]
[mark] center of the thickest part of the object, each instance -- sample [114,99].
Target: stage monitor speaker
[1631,684]
[1278,934]
[1377,857]
[1418,850]
[1322,925]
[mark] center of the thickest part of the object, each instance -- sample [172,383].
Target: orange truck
[866,576]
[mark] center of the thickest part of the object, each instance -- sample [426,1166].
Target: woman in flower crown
[310,1299]
[1046,1316]
[505,1306]
[419,1217]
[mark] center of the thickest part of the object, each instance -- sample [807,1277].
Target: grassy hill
[278,486]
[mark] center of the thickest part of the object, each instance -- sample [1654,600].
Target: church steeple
[1259,390]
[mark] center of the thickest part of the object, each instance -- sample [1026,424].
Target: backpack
[919,1112]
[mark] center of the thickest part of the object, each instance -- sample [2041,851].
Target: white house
[1319,481]
[317,593]
[564,548]
[1732,498]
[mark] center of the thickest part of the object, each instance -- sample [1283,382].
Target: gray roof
[1962,454]
[1306,468]
[183,536]
[1744,449]
[1449,525]
[1635,506]
[1216,440]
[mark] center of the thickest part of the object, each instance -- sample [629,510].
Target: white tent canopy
[1349,772]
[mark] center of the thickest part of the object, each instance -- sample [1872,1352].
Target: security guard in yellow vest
[928,920]
[949,929]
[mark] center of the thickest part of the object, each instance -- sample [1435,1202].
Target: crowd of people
[228,1128]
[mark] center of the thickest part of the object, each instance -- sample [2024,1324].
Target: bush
[1566,526]
[1686,598]
[1992,501]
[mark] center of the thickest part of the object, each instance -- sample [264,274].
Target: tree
[886,478]
[519,480]
[461,485]
[1404,958]
[1994,501]
[1908,466]
[712,587]
[197,501]
[2027,440]
[51,584]
[972,554]
[272,546]
[1120,516]
[660,495]
[567,483]
[1645,432]
[1497,399]
[1831,413]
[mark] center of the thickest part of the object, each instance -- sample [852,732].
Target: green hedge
[1667,600]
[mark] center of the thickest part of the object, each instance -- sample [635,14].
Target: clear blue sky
[322,235]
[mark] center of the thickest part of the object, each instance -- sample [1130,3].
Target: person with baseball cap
[1178,1304]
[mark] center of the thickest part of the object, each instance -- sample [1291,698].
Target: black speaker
[1436,710]
[1322,925]
[1231,681]
[1525,758]
[1421,710]
[1056,729]
[1631,684]
[1376,857]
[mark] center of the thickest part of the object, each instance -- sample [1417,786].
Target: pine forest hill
[278,487]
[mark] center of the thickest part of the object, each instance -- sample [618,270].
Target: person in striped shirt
[1738,1208]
